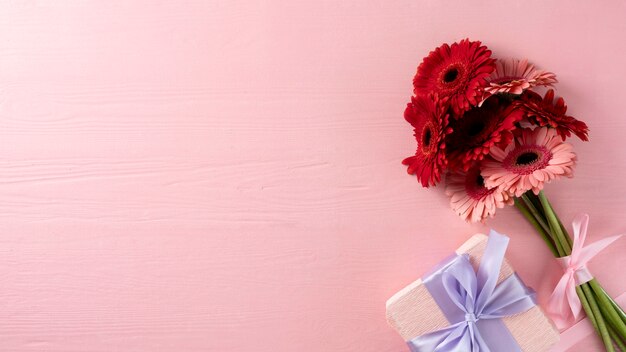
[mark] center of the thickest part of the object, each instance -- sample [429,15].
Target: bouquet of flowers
[482,125]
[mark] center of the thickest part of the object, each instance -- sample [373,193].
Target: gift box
[415,312]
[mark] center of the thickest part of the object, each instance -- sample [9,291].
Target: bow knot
[471,318]
[564,304]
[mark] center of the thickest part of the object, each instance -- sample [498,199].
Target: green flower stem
[554,224]
[531,195]
[533,221]
[589,311]
[607,309]
[620,345]
[585,301]
[540,217]
[536,213]
[587,307]
[567,237]
[616,306]
[602,329]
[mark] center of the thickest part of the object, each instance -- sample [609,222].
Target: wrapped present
[472,301]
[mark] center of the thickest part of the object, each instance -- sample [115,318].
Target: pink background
[225,175]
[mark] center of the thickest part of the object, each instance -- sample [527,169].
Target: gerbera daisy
[457,73]
[515,76]
[536,157]
[470,199]
[429,119]
[480,129]
[545,112]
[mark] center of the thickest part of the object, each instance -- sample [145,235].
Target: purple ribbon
[474,303]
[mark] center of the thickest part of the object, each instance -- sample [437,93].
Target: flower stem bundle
[608,319]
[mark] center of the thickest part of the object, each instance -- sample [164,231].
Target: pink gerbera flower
[470,199]
[515,76]
[536,157]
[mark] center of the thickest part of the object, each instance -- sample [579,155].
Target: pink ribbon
[564,304]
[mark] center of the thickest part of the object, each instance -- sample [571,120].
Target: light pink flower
[536,157]
[470,199]
[514,76]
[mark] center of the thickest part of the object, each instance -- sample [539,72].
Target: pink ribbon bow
[564,305]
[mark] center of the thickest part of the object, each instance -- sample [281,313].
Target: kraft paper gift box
[413,312]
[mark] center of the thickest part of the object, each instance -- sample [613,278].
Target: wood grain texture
[225,175]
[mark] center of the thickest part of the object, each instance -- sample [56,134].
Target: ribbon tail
[560,305]
[454,338]
[460,340]
[478,342]
[575,305]
[593,249]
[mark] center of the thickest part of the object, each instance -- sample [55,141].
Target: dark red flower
[456,73]
[429,118]
[480,129]
[547,112]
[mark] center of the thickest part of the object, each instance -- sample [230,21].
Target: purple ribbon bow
[474,303]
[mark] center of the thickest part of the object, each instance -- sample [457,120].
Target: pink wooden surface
[225,175]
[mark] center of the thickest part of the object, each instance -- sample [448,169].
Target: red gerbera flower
[429,118]
[480,129]
[545,112]
[456,73]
